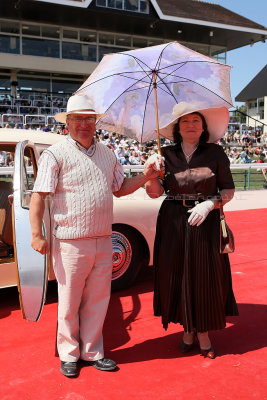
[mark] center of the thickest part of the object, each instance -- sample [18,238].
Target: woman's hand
[200,212]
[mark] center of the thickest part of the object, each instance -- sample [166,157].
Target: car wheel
[130,253]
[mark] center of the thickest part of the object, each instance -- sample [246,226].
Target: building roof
[206,11]
[256,88]
[187,21]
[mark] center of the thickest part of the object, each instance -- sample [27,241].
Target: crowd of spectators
[36,112]
[31,109]
[250,146]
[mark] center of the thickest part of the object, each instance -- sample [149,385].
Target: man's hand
[154,167]
[40,244]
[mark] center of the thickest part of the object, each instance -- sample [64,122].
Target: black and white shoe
[104,364]
[69,369]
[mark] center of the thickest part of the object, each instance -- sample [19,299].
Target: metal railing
[242,174]
[27,119]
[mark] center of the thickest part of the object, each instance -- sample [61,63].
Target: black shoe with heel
[210,353]
[185,348]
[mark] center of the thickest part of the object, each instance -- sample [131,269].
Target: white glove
[158,161]
[200,212]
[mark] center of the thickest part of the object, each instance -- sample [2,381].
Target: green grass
[241,176]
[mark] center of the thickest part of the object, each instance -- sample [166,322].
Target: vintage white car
[133,228]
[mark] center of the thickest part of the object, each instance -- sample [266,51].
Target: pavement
[247,200]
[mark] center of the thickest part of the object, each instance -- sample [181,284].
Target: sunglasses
[79,120]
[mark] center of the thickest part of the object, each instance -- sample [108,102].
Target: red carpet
[150,363]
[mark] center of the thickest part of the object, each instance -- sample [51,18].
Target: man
[81,174]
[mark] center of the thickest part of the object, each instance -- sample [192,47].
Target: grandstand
[48,48]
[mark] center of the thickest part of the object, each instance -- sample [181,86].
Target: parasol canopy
[140,90]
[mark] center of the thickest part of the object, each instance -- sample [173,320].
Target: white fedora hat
[217,120]
[78,104]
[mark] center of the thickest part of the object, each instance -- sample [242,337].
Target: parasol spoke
[150,89]
[204,87]
[168,74]
[160,56]
[121,94]
[170,92]
[192,61]
[136,59]
[110,76]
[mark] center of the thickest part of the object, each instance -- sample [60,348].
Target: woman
[193,283]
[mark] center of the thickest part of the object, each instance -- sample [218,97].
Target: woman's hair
[177,138]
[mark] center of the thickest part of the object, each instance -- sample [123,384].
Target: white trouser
[83,269]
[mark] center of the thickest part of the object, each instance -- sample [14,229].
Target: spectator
[65,130]
[9,159]
[110,140]
[119,153]
[261,159]
[258,150]
[244,157]
[46,129]
[134,158]
[126,160]
[143,158]
[250,150]
[59,130]
[123,141]
[236,136]
[3,159]
[54,128]
[127,151]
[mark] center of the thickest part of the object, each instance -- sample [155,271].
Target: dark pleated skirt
[193,283]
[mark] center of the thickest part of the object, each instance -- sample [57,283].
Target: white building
[255,97]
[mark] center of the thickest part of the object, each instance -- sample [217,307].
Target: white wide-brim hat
[217,120]
[78,104]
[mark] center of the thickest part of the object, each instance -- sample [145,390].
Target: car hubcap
[122,254]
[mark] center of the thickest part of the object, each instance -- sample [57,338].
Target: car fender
[140,212]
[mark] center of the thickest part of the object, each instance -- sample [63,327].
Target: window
[9,27]
[122,40]
[131,5]
[78,51]
[9,44]
[33,30]
[106,38]
[88,36]
[153,42]
[103,50]
[50,31]
[141,6]
[40,47]
[70,34]
[139,42]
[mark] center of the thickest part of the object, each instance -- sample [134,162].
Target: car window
[29,172]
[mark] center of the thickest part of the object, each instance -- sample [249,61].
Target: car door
[32,267]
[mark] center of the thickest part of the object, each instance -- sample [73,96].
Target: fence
[246,176]
[28,119]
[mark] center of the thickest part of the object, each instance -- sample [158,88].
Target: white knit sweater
[82,204]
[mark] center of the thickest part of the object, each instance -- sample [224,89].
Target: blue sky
[246,61]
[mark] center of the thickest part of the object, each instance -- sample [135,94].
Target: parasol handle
[157,116]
